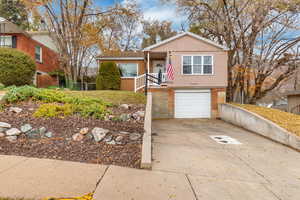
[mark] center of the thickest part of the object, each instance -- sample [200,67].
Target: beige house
[200,75]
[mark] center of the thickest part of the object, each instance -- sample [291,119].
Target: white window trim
[137,69]
[202,74]
[41,54]
[5,37]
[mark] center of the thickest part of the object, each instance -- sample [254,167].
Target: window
[197,65]
[6,41]
[38,54]
[128,69]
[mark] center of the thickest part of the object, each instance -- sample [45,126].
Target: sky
[153,9]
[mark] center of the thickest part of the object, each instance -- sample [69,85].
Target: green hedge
[109,77]
[16,68]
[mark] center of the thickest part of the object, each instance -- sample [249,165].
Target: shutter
[14,41]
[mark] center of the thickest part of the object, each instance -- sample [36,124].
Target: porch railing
[139,81]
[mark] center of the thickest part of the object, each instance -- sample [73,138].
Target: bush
[109,77]
[54,110]
[58,104]
[16,68]
[2,86]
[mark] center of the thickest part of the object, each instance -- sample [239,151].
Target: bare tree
[260,35]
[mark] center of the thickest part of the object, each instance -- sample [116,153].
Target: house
[200,77]
[293,102]
[38,45]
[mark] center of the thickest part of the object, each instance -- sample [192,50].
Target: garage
[192,104]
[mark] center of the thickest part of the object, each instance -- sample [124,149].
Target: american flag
[170,70]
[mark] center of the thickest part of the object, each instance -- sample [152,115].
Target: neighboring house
[293,102]
[200,75]
[38,45]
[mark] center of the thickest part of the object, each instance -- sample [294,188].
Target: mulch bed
[62,147]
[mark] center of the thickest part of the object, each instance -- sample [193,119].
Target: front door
[159,65]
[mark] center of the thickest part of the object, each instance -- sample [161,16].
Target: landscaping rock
[107,138]
[99,133]
[2,135]
[135,116]
[15,109]
[111,142]
[4,125]
[119,138]
[124,117]
[49,134]
[42,130]
[125,106]
[124,132]
[33,134]
[2,130]
[12,138]
[13,132]
[84,131]
[140,113]
[134,136]
[77,137]
[25,128]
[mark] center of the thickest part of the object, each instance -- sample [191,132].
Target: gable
[187,43]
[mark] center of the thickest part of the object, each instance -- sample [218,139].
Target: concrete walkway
[188,165]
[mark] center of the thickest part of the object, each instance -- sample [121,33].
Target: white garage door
[192,104]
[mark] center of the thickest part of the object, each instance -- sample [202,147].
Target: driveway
[256,169]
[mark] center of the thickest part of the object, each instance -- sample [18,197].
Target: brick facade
[49,63]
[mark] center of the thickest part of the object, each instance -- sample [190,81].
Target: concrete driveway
[256,169]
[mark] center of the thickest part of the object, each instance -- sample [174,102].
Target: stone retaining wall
[256,123]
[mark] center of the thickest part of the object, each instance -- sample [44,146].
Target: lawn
[288,121]
[112,96]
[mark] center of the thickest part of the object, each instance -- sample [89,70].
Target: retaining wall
[256,123]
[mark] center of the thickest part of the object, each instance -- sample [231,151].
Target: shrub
[16,68]
[54,110]
[109,77]
[2,86]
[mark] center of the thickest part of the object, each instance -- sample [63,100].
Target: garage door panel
[191,104]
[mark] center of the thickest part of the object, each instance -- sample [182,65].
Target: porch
[155,64]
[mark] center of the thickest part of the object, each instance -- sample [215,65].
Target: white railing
[139,81]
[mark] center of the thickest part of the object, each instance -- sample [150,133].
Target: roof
[184,34]
[121,55]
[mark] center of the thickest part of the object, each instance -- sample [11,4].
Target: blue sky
[153,9]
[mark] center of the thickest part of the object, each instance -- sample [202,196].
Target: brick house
[38,45]
[200,71]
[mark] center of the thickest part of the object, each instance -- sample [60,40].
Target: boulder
[49,134]
[2,135]
[134,136]
[124,117]
[13,132]
[119,138]
[77,137]
[42,130]
[4,125]
[33,134]
[99,133]
[124,106]
[15,109]
[107,138]
[12,138]
[25,128]
[140,113]
[84,131]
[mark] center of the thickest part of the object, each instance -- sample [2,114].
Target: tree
[109,77]
[261,36]
[15,12]
[155,31]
